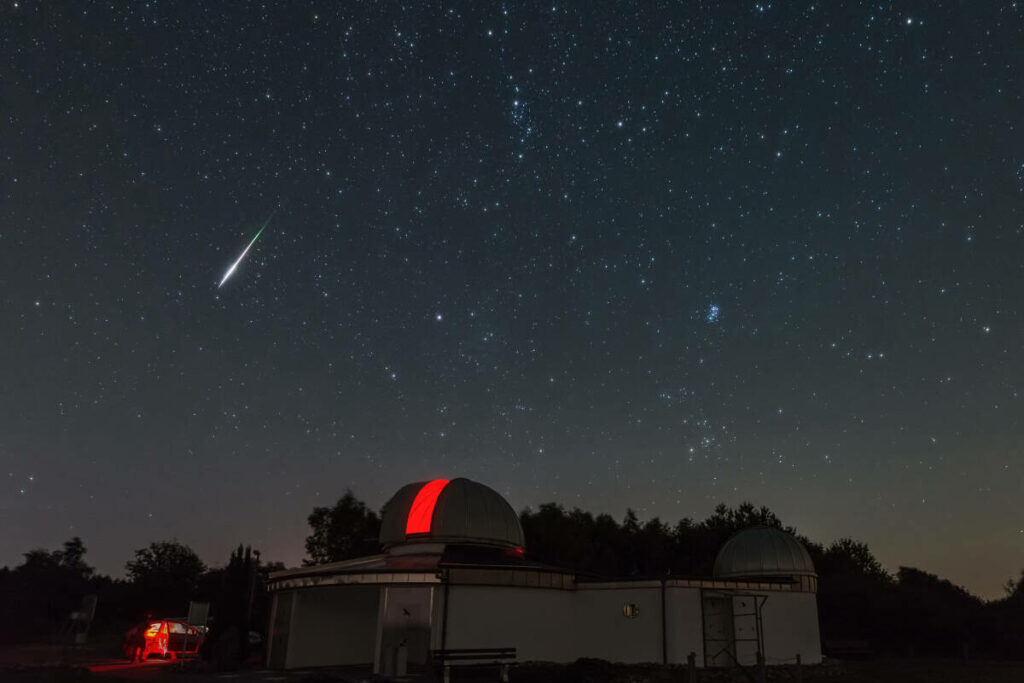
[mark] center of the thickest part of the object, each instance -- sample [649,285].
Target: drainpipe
[444,616]
[664,629]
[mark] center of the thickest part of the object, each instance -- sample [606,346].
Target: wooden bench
[475,656]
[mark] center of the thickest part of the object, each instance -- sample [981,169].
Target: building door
[732,628]
[719,638]
[405,628]
[746,620]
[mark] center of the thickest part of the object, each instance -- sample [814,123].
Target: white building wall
[562,626]
[339,624]
[606,633]
[538,622]
[685,625]
[332,626]
[790,627]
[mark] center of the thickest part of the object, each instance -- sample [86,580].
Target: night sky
[653,255]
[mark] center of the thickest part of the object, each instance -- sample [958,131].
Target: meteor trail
[244,252]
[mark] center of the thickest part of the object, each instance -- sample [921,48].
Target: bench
[475,656]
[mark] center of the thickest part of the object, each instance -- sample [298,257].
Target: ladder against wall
[732,628]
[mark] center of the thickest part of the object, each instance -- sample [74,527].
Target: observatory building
[454,574]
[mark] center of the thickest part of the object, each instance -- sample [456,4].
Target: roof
[762,551]
[456,511]
[430,560]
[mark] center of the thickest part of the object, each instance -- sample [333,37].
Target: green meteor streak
[244,252]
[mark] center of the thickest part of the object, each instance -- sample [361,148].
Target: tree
[575,539]
[347,530]
[228,641]
[72,558]
[1015,590]
[1001,632]
[167,575]
[853,557]
[746,515]
[856,599]
[45,589]
[935,616]
[70,561]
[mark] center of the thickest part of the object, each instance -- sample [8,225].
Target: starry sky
[656,255]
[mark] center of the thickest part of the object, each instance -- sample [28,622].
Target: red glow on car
[422,510]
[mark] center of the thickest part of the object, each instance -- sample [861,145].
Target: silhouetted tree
[347,530]
[853,557]
[44,590]
[599,545]
[228,641]
[934,616]
[997,632]
[856,599]
[1015,590]
[166,575]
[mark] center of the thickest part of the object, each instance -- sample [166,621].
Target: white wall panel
[790,623]
[607,634]
[685,629]
[537,622]
[333,626]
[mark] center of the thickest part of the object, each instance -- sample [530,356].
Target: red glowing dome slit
[422,510]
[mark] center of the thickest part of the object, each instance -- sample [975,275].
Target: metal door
[405,632]
[732,628]
[719,635]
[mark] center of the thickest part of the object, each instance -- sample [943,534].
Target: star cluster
[656,255]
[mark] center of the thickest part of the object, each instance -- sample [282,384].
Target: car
[163,638]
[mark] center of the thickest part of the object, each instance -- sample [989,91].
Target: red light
[422,510]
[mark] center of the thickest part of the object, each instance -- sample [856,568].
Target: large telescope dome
[458,511]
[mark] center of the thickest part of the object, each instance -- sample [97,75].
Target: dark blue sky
[649,255]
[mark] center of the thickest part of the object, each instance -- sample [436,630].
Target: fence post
[799,670]
[691,666]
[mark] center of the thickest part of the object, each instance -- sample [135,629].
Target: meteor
[244,252]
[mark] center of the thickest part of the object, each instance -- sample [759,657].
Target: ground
[872,671]
[52,664]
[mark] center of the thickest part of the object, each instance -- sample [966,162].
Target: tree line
[909,612]
[161,579]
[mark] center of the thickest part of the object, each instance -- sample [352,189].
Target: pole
[444,616]
[664,629]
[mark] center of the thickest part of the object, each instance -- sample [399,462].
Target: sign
[82,619]
[198,613]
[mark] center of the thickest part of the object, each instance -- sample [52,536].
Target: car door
[176,634]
